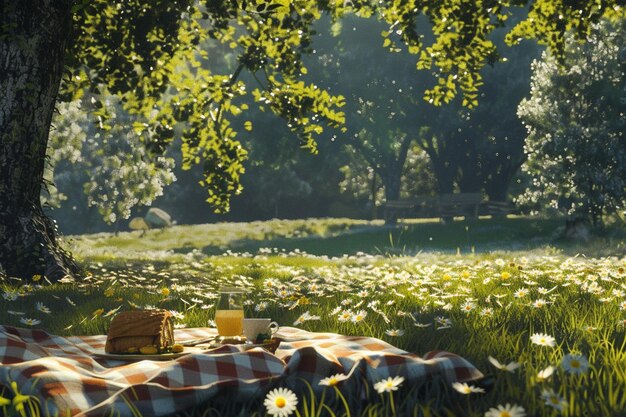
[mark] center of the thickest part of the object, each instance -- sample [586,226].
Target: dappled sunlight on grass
[339,237]
[520,317]
[473,305]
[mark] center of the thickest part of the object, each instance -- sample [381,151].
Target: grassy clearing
[339,237]
[476,304]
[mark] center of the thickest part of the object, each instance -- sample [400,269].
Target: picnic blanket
[64,374]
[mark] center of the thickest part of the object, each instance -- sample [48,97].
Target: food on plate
[148,350]
[141,330]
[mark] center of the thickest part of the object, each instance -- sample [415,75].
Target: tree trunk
[469,179]
[444,173]
[373,194]
[393,175]
[32,47]
[498,179]
[497,187]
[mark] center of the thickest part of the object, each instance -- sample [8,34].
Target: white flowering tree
[111,167]
[575,120]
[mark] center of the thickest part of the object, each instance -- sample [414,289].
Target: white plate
[155,357]
[242,347]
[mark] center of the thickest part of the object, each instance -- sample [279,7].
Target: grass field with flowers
[544,319]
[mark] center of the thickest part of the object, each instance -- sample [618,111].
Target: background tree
[575,119]
[135,49]
[480,150]
[360,181]
[110,166]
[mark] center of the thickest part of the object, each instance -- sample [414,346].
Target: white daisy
[486,312]
[521,293]
[280,402]
[359,316]
[509,368]
[507,410]
[345,315]
[543,339]
[468,306]
[553,399]
[306,316]
[545,373]
[389,384]
[262,306]
[15,313]
[442,322]
[10,295]
[29,322]
[177,315]
[464,388]
[575,364]
[331,381]
[394,332]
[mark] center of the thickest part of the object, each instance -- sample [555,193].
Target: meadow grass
[475,303]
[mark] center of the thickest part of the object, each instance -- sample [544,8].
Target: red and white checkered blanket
[65,375]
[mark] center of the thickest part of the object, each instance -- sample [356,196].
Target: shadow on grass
[461,236]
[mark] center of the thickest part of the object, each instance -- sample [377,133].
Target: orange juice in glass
[229,313]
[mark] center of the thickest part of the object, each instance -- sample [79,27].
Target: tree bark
[394,167]
[34,38]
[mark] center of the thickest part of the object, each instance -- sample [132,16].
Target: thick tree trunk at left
[35,35]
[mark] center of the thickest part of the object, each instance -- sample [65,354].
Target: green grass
[402,279]
[339,237]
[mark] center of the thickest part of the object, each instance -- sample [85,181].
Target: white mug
[259,329]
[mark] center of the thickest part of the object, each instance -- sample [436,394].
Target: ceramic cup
[256,330]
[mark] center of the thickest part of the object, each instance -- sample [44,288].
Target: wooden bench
[461,204]
[497,208]
[445,206]
[421,207]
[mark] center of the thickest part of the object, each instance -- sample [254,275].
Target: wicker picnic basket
[132,330]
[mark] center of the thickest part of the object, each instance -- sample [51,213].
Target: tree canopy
[149,53]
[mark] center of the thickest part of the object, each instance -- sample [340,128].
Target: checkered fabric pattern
[66,376]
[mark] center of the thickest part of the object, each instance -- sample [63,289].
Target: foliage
[112,166]
[137,50]
[470,149]
[358,177]
[140,65]
[575,120]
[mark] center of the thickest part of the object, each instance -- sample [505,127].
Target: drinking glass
[229,313]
